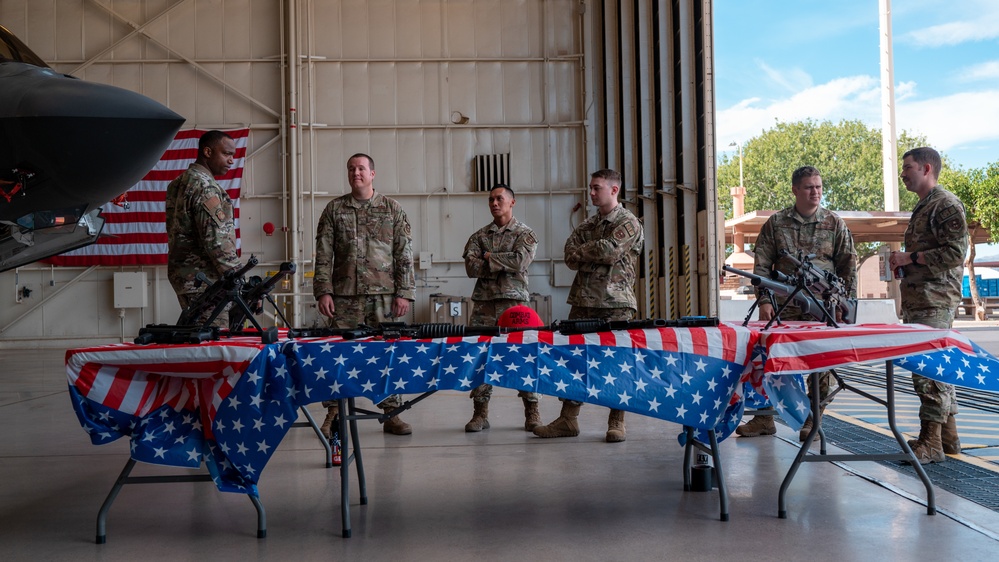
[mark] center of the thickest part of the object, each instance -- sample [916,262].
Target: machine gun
[396,330]
[804,287]
[808,303]
[827,284]
[254,292]
[217,296]
[232,289]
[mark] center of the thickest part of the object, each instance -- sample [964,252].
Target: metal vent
[491,169]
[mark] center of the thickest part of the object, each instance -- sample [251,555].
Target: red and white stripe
[137,235]
[804,347]
[138,379]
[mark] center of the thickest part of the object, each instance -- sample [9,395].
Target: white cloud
[984,71]
[981,26]
[948,122]
[954,120]
[792,80]
[855,97]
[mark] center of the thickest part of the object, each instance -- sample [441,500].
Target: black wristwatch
[914,256]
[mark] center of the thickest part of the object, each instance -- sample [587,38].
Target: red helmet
[520,316]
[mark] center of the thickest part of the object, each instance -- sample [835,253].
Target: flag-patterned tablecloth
[230,403]
[788,351]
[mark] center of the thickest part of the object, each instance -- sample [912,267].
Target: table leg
[124,478]
[905,454]
[322,439]
[931,506]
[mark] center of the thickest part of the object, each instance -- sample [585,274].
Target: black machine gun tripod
[245,297]
[817,293]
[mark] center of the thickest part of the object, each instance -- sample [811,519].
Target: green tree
[847,153]
[978,190]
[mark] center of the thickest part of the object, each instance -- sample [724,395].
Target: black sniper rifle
[246,298]
[816,292]
[396,330]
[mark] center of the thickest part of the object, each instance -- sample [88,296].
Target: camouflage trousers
[487,313]
[363,309]
[937,400]
[221,321]
[582,312]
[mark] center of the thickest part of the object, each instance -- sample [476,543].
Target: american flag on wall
[137,235]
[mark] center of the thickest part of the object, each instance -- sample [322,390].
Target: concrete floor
[443,494]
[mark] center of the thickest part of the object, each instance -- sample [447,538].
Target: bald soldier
[201,232]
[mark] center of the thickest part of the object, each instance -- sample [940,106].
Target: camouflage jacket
[201,233]
[604,253]
[511,250]
[364,248]
[938,230]
[824,234]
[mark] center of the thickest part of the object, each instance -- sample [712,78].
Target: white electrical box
[425,260]
[130,289]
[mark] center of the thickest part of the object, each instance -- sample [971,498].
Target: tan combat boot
[565,425]
[396,426]
[806,428]
[948,436]
[759,425]
[326,428]
[928,448]
[615,426]
[532,417]
[480,417]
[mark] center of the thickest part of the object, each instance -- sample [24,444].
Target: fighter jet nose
[64,96]
[85,142]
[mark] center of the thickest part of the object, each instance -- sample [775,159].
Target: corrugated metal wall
[562,86]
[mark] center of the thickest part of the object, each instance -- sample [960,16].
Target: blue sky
[790,60]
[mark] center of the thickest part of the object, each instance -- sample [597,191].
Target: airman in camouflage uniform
[603,251]
[364,266]
[936,242]
[497,256]
[201,235]
[812,229]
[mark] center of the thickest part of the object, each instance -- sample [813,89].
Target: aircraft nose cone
[86,142]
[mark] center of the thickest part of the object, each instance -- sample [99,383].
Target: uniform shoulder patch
[531,238]
[215,209]
[949,213]
[626,230]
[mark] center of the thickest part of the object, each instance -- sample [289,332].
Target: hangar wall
[563,87]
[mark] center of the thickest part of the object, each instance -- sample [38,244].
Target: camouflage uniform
[364,259]
[825,235]
[500,281]
[604,253]
[364,248]
[937,230]
[201,234]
